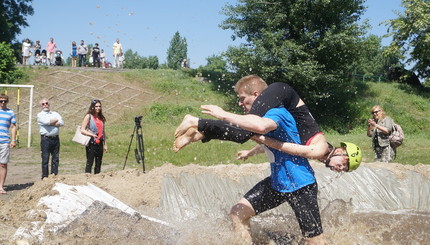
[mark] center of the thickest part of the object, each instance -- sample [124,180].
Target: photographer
[379,129]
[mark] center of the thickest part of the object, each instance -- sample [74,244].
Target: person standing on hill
[96,55]
[26,46]
[82,52]
[93,125]
[74,53]
[379,129]
[49,127]
[117,52]
[7,122]
[50,48]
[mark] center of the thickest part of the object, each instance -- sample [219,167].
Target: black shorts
[303,202]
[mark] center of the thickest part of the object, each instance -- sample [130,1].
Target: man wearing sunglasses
[49,127]
[7,122]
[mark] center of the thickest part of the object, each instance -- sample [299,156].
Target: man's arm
[13,135]
[60,121]
[248,122]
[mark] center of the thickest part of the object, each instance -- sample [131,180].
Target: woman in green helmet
[346,158]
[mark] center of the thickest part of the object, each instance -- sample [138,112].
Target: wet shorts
[303,202]
[4,153]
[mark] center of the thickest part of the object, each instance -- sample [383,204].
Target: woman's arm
[84,124]
[243,155]
[316,150]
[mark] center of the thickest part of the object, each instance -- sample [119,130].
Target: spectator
[74,53]
[94,125]
[102,58]
[96,55]
[7,121]
[49,127]
[82,52]
[26,46]
[121,61]
[44,58]
[50,48]
[37,60]
[379,129]
[37,48]
[184,64]
[117,52]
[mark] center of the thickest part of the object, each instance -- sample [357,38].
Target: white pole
[30,113]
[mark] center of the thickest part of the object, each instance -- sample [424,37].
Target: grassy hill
[163,97]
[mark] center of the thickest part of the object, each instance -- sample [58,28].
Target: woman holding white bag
[93,125]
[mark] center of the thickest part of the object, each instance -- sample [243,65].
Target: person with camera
[379,129]
[93,125]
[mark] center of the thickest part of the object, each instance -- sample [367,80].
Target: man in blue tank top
[292,178]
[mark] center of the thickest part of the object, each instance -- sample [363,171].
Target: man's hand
[12,144]
[214,111]
[53,122]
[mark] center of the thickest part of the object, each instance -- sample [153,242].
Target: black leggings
[275,95]
[94,154]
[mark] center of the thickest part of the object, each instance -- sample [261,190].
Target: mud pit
[194,202]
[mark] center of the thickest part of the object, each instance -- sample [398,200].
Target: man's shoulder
[277,111]
[7,111]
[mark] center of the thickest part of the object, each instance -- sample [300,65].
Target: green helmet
[354,154]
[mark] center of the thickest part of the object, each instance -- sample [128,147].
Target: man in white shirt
[49,127]
[117,52]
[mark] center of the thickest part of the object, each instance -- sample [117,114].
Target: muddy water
[376,204]
[368,206]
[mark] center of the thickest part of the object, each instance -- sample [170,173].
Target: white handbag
[80,138]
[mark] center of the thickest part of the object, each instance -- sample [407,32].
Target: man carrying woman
[240,128]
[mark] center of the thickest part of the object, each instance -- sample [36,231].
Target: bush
[8,72]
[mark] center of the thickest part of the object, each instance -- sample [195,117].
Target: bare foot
[188,122]
[3,191]
[190,136]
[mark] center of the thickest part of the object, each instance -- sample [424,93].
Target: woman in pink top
[50,48]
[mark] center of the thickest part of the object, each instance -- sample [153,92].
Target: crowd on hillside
[51,55]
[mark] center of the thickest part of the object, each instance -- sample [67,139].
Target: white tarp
[65,207]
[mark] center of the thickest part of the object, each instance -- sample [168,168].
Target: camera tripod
[139,151]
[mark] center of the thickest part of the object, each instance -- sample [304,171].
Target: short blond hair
[383,115]
[250,83]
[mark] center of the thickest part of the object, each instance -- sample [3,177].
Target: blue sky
[148,26]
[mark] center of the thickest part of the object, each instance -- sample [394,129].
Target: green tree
[373,62]
[152,62]
[134,61]
[13,17]
[312,45]
[8,72]
[411,35]
[177,51]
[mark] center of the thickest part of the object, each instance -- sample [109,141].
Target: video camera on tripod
[139,150]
